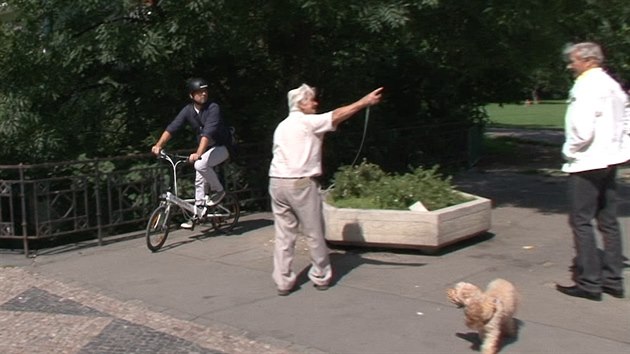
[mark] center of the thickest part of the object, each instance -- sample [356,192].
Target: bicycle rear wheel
[225,215]
[158,227]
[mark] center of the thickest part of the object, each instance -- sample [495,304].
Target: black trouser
[593,195]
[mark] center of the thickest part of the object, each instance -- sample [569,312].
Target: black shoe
[283,292]
[321,287]
[578,292]
[618,293]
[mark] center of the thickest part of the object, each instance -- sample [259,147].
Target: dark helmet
[195,84]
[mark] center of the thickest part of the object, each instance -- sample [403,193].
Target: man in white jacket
[596,143]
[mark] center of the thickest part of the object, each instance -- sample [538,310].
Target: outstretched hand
[373,97]
[342,113]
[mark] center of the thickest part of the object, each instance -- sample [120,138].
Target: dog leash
[356,157]
[365,126]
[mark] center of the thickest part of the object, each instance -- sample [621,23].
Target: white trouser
[205,171]
[297,206]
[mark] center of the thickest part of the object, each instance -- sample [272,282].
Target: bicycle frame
[173,197]
[174,164]
[186,204]
[223,216]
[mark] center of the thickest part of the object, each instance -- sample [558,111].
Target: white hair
[298,95]
[585,50]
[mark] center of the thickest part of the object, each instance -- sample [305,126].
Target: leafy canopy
[103,78]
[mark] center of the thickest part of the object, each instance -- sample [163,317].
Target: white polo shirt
[297,145]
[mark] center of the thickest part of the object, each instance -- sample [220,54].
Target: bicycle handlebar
[175,157]
[164,155]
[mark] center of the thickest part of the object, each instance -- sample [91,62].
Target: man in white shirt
[295,195]
[596,142]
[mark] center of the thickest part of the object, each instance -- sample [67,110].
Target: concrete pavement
[211,293]
[547,136]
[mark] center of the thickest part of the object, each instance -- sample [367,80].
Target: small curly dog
[490,313]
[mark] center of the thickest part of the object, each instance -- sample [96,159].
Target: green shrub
[366,186]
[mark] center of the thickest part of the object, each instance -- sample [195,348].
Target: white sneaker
[216,198]
[187,225]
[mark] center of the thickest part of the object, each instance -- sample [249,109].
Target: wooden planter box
[429,230]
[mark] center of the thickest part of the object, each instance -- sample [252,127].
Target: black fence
[102,197]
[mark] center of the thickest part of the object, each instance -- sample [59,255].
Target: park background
[85,80]
[93,79]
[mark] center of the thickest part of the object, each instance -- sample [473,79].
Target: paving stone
[38,300]
[43,332]
[122,336]
[42,315]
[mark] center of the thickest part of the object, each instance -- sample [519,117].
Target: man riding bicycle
[212,139]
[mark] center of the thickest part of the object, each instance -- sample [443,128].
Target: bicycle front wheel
[225,215]
[158,227]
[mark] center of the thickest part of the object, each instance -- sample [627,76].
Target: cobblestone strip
[34,333]
[81,321]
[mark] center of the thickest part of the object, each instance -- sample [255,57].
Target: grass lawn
[512,151]
[544,115]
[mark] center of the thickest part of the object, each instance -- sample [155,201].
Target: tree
[104,78]
[606,23]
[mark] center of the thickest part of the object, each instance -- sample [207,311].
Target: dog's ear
[480,310]
[467,290]
[474,315]
[497,305]
[491,306]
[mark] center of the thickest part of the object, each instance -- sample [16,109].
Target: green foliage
[607,23]
[23,132]
[103,78]
[366,186]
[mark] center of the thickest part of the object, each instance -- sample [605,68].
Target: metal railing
[102,197]
[97,197]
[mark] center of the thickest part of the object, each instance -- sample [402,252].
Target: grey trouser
[205,171]
[297,207]
[593,195]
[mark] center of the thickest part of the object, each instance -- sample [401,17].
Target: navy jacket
[207,123]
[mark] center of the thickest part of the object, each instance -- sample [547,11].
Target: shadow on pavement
[245,226]
[62,245]
[207,231]
[546,194]
[475,341]
[538,191]
[344,263]
[454,247]
[522,169]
